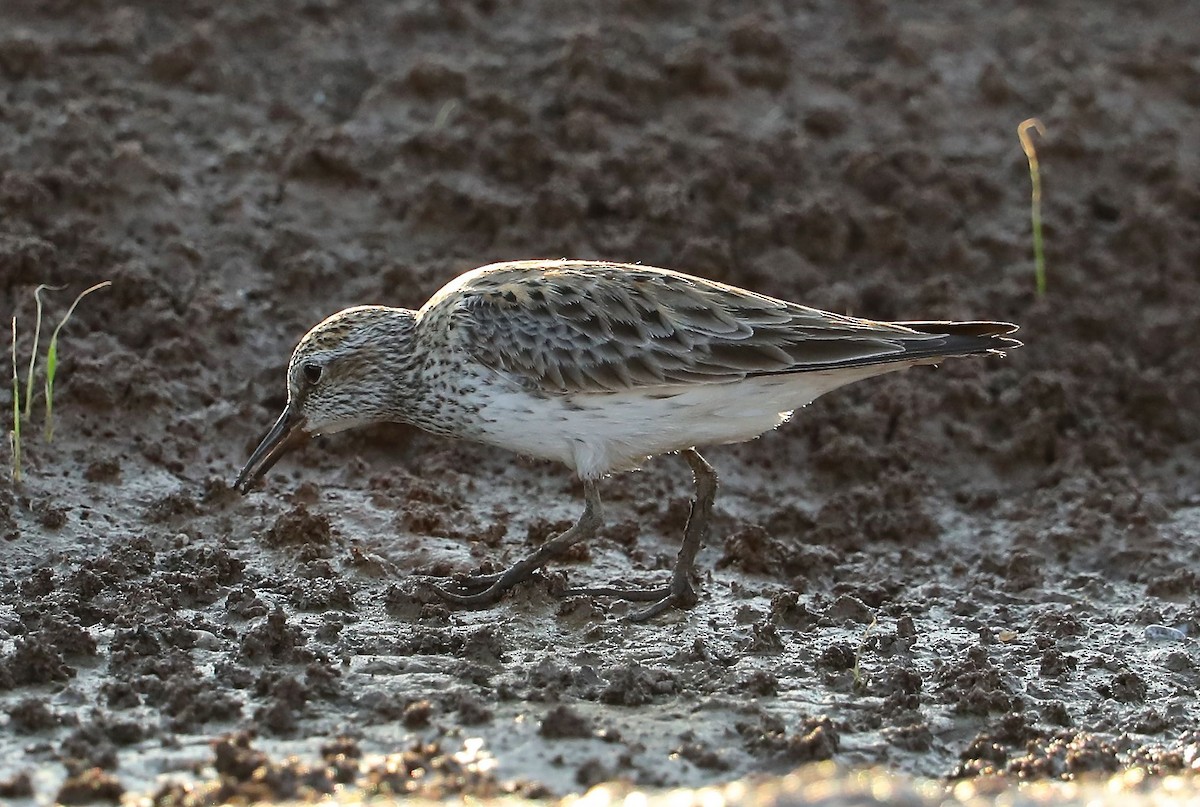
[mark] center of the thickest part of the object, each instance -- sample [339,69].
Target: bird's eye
[312,372]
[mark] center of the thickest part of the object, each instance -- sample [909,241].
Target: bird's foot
[470,598]
[481,590]
[678,594]
[473,583]
[477,591]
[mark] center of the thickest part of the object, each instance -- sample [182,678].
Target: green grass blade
[1035,207]
[51,366]
[52,357]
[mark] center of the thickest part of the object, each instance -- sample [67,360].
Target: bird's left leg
[680,592]
[494,586]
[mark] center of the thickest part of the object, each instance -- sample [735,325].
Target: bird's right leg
[679,592]
[488,589]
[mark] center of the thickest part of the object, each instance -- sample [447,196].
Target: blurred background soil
[947,573]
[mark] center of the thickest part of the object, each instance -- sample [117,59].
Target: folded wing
[569,327]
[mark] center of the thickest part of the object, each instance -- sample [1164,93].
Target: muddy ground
[946,573]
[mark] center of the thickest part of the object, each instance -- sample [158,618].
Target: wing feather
[563,327]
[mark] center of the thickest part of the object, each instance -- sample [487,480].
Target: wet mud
[987,568]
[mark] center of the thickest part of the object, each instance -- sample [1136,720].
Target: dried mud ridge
[987,568]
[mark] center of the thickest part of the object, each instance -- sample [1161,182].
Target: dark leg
[494,585]
[679,593]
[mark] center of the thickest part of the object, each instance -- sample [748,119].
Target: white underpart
[595,434]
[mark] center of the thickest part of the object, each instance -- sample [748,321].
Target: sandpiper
[599,366]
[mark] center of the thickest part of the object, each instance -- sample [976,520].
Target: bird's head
[345,372]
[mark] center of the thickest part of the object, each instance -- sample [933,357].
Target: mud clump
[753,551]
[848,610]
[788,611]
[814,739]
[343,756]
[1067,756]
[300,529]
[91,786]
[417,714]
[1127,687]
[276,639]
[33,661]
[247,775]
[471,711]
[172,507]
[17,786]
[190,704]
[31,715]
[49,515]
[838,656]
[103,470]
[975,686]
[322,595]
[563,722]
[635,685]
[817,739]
[428,771]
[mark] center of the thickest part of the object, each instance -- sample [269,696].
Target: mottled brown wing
[568,327]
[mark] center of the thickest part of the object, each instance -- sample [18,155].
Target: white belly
[595,434]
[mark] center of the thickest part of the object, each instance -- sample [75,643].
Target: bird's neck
[425,389]
[399,350]
[389,359]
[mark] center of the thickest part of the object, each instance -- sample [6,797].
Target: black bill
[287,433]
